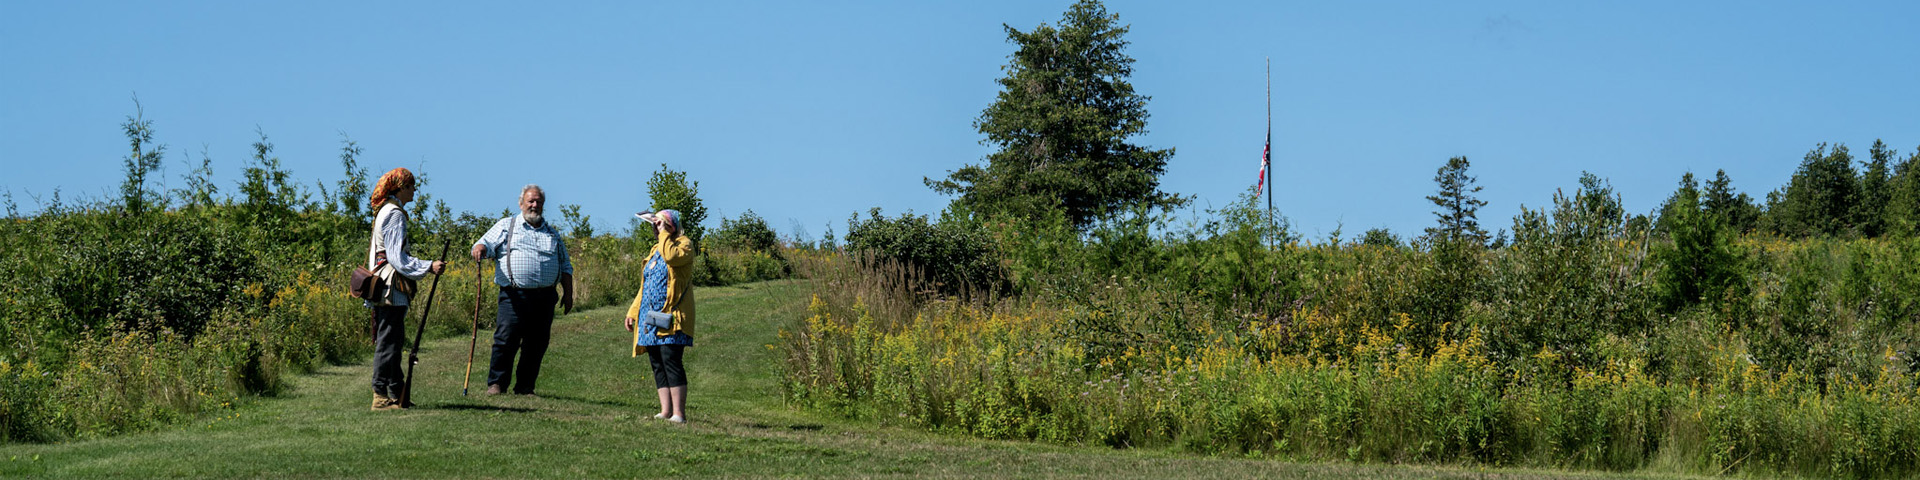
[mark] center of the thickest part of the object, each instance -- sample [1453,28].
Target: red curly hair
[391,183]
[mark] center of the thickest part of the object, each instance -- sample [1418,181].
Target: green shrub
[1701,263]
[670,190]
[955,256]
[155,271]
[1570,277]
[1241,262]
[749,232]
[1022,373]
[26,406]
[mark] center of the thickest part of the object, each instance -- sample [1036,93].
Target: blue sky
[807,112]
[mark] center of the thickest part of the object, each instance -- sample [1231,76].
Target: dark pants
[668,372]
[389,345]
[524,324]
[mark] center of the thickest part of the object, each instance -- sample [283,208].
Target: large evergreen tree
[1457,207]
[1869,212]
[1736,210]
[1820,198]
[1903,202]
[1062,124]
[1447,284]
[1702,262]
[1687,197]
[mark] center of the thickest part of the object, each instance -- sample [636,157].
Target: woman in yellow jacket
[661,317]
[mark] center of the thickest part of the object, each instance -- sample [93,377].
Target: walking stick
[406,387]
[473,344]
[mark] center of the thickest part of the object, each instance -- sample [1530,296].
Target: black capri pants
[668,372]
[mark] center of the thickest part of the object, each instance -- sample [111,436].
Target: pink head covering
[671,217]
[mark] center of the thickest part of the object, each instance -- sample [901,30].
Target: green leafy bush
[955,256]
[1701,263]
[1027,371]
[749,232]
[157,271]
[1571,277]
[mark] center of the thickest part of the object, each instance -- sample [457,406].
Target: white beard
[533,218]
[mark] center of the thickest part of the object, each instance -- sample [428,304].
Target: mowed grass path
[591,420]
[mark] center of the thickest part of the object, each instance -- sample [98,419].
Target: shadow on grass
[803,427]
[494,408]
[603,403]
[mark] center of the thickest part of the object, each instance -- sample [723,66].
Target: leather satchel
[374,285]
[361,283]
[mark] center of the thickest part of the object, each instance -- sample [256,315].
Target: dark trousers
[524,325]
[668,371]
[389,345]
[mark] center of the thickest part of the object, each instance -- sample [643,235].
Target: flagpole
[1269,169]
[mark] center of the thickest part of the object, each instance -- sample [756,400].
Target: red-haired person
[387,256]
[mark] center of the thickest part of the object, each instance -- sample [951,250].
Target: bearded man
[530,259]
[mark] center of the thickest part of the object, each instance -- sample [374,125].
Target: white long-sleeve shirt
[393,235]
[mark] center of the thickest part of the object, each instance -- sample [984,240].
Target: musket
[406,387]
[473,344]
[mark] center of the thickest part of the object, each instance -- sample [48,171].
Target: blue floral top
[653,297]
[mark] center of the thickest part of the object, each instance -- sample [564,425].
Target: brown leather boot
[383,402]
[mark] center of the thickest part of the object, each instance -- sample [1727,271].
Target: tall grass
[145,320]
[1567,364]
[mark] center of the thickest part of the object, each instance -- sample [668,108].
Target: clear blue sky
[806,112]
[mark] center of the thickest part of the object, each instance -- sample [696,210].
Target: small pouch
[659,320]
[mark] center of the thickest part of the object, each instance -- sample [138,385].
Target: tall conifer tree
[1062,125]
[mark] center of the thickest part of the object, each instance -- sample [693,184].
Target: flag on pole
[1266,160]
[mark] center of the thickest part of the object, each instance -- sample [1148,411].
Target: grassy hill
[591,420]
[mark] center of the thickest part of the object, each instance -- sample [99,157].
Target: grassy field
[591,420]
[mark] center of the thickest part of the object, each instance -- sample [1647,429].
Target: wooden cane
[474,344]
[406,387]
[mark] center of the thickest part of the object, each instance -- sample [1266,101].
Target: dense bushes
[1819,384]
[1591,340]
[743,250]
[117,322]
[1702,263]
[749,232]
[150,271]
[953,255]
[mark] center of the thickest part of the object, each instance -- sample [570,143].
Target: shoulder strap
[507,248]
[377,244]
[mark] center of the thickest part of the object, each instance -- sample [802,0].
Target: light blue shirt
[536,259]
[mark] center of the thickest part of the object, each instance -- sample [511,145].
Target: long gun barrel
[406,390]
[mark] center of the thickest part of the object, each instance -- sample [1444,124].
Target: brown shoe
[383,402]
[495,390]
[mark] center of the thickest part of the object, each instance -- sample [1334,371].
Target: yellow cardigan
[677,251]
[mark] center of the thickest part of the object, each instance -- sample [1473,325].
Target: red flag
[1265,160]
